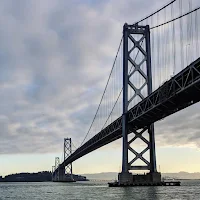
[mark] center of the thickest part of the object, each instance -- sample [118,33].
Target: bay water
[89,190]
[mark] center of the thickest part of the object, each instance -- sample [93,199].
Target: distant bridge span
[179,92]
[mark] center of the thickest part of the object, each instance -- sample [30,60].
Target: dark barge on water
[163,183]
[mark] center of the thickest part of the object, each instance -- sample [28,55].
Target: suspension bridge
[156,72]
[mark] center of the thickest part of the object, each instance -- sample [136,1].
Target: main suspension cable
[172,20]
[103,92]
[155,12]
[120,92]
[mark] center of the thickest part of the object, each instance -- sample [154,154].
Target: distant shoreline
[46,176]
[114,175]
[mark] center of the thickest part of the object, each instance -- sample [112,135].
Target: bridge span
[174,95]
[151,51]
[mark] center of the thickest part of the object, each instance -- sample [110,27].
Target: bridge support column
[56,172]
[151,131]
[53,175]
[125,177]
[61,174]
[136,68]
[125,103]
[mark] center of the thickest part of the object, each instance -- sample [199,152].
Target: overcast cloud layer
[55,57]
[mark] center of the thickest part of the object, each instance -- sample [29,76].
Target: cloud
[55,58]
[180,129]
[50,58]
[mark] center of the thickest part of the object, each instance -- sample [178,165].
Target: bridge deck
[174,95]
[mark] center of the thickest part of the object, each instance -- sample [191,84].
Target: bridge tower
[53,169]
[57,163]
[67,153]
[136,40]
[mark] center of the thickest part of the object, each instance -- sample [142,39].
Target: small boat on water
[168,181]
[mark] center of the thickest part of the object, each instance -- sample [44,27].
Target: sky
[55,58]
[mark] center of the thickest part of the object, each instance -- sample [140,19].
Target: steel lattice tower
[138,38]
[53,169]
[67,153]
[57,163]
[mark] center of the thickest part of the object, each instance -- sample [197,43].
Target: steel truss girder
[162,97]
[151,109]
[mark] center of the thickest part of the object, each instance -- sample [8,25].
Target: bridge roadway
[179,92]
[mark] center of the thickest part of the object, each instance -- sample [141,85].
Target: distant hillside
[183,175]
[28,177]
[102,176]
[114,175]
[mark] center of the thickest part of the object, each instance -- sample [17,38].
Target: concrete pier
[69,178]
[129,178]
[125,178]
[149,179]
[162,183]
